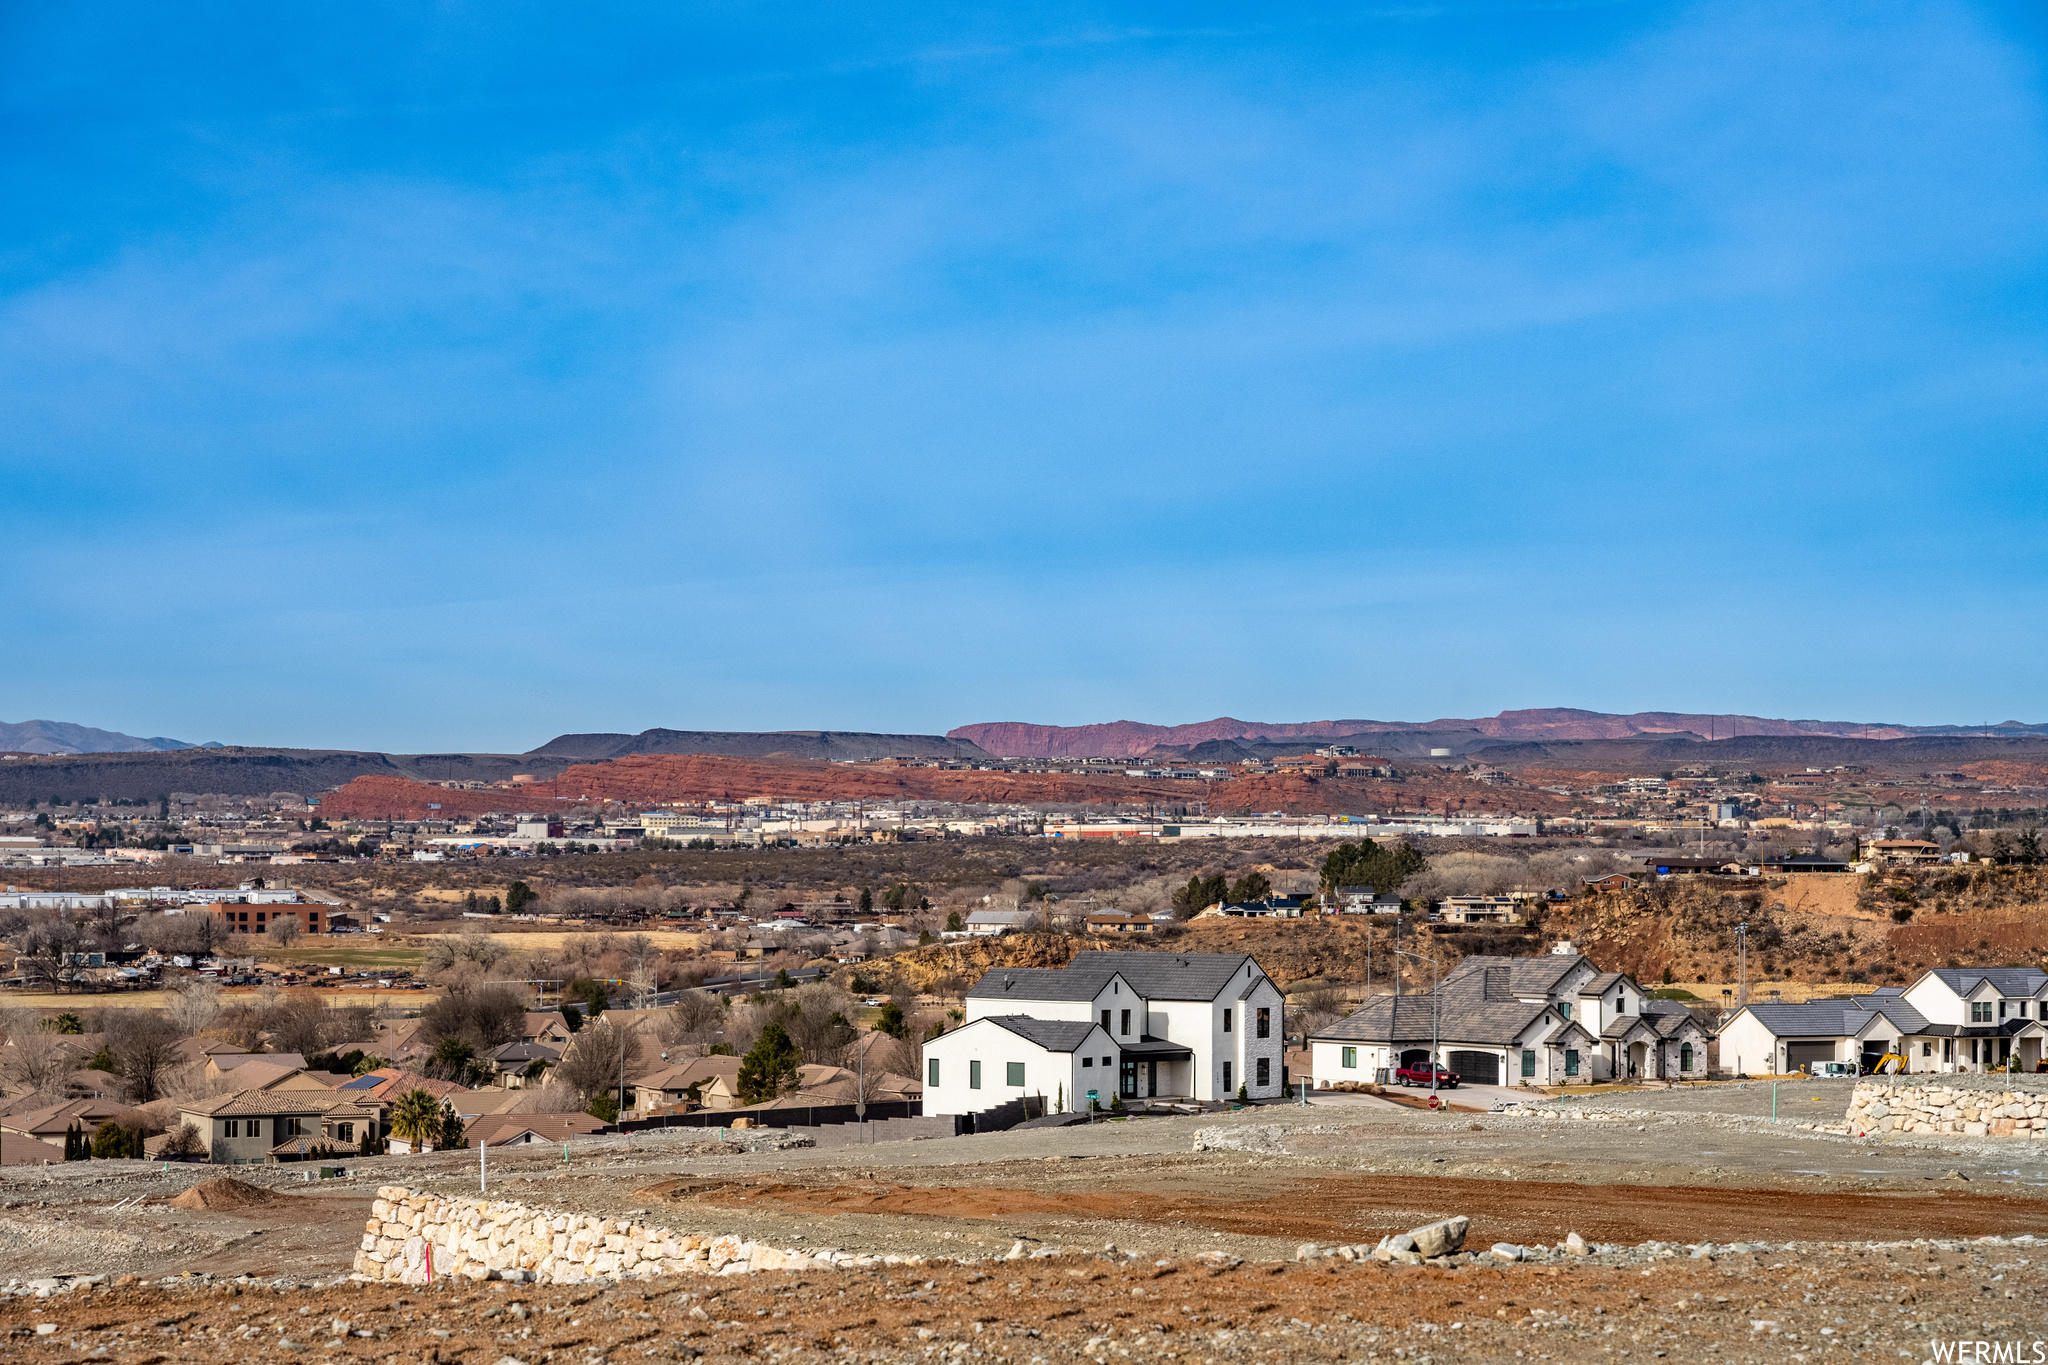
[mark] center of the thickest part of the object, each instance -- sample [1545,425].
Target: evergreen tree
[1366,863]
[770,1066]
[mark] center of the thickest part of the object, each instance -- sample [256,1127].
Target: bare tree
[693,1020]
[816,1021]
[46,946]
[38,1063]
[145,1048]
[195,1003]
[598,1055]
[284,932]
[1312,1010]
[298,1023]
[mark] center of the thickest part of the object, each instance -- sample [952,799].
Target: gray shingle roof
[1469,1019]
[1525,975]
[1054,1035]
[1833,1018]
[1039,983]
[2004,980]
[1170,976]
[1154,976]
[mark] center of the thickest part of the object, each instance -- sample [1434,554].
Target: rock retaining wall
[414,1237]
[1976,1106]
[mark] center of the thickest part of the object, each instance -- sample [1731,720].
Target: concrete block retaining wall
[414,1237]
[1967,1106]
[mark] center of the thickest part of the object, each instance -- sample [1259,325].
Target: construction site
[1712,1221]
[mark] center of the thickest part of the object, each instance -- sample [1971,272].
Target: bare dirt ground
[1828,1304]
[1870,1241]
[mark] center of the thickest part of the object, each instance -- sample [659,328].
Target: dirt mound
[227,1195]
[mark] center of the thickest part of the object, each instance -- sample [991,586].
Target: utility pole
[1436,1030]
[1742,964]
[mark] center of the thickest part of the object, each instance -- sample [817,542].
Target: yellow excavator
[1891,1064]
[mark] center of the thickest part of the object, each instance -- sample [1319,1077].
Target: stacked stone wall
[414,1238]
[1964,1106]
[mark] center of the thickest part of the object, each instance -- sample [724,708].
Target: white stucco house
[1550,1020]
[1005,1057]
[1950,1019]
[1161,1025]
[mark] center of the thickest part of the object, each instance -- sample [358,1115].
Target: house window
[234,1128]
[931,1070]
[1685,1056]
[1564,1007]
[974,1075]
[1265,1029]
[1264,1072]
[1226,1076]
[1351,1058]
[255,1128]
[1105,1021]
[1926,1047]
[1109,1061]
[1016,1074]
[346,1132]
[2001,1009]
[1124,1019]
[1528,1063]
[1980,1011]
[1571,1061]
[1087,1061]
[1226,1021]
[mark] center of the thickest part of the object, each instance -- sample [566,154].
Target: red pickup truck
[1419,1074]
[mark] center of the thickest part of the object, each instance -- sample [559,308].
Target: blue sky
[424,377]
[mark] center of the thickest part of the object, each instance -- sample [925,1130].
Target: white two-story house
[1135,1025]
[1951,1019]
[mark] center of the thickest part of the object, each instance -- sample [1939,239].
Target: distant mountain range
[826,744]
[62,737]
[1133,739]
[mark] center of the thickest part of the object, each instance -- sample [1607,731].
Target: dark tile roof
[1171,976]
[1466,1019]
[1040,983]
[1054,1035]
[1154,976]
[1833,1018]
[2004,980]
[1525,975]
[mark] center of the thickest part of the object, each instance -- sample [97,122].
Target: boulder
[1576,1245]
[1441,1238]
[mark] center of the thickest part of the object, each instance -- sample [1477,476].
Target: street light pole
[1436,1040]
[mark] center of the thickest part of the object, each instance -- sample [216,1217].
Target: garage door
[1800,1055]
[1476,1068]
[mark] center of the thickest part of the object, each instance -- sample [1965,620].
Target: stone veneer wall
[1964,1105]
[414,1237]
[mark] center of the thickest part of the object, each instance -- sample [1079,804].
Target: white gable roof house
[1172,1027]
[1968,1019]
[1550,1020]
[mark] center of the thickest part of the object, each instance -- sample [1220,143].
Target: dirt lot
[1848,1304]
[1806,1214]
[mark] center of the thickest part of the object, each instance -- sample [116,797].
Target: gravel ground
[1804,1303]
[1795,1230]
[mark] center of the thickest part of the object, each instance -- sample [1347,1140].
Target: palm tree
[416,1118]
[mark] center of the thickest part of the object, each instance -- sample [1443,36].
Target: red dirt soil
[1351,1209]
[227,1195]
